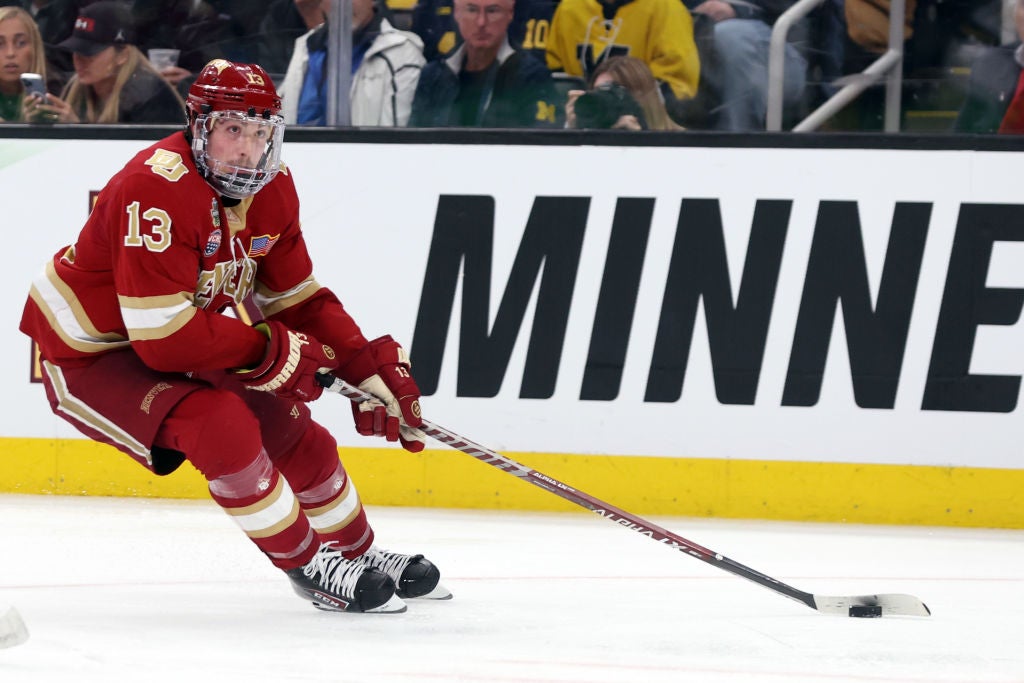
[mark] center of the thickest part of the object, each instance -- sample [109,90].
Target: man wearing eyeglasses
[485,82]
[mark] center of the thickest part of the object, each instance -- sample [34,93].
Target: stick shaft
[611,512]
[589,502]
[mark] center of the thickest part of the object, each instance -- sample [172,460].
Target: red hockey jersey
[159,261]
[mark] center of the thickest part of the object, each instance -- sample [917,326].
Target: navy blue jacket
[522,94]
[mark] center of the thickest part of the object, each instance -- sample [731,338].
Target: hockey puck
[866,611]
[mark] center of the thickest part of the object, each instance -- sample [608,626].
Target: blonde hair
[38,54]
[635,76]
[83,100]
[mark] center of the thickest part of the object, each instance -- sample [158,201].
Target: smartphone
[34,85]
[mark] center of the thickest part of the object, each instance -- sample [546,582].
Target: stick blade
[12,628]
[890,604]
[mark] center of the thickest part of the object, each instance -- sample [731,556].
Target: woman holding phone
[21,52]
[113,80]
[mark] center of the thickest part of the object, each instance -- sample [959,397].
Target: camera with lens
[604,105]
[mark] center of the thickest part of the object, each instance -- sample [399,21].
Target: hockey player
[138,353]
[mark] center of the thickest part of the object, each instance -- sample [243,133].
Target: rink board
[746,489]
[777,331]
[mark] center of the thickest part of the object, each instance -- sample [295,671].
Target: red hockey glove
[290,365]
[381,368]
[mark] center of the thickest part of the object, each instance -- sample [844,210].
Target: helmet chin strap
[266,154]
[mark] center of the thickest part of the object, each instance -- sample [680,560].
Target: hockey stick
[884,604]
[12,628]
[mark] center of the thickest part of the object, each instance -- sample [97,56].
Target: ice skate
[414,575]
[339,585]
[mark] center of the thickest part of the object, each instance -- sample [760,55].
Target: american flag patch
[261,244]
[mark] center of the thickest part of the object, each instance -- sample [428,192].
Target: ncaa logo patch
[212,243]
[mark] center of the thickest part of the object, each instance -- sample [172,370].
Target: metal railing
[888,66]
[339,62]
[1008,29]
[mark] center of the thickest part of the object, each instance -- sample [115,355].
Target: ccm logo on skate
[329,601]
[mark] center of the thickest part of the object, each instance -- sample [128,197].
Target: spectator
[633,75]
[995,92]
[867,30]
[21,51]
[485,82]
[434,23]
[157,22]
[531,25]
[241,22]
[386,66]
[295,14]
[284,23]
[113,81]
[738,72]
[55,19]
[203,30]
[189,26]
[659,32]
[228,29]
[849,35]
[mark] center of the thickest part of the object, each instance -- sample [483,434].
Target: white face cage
[227,178]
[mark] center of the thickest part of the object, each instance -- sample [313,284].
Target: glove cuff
[386,350]
[360,368]
[369,359]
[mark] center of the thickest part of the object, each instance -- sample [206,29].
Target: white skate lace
[332,571]
[392,564]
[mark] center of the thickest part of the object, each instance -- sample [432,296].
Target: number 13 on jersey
[157,225]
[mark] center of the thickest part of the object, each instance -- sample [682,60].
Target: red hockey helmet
[227,86]
[242,94]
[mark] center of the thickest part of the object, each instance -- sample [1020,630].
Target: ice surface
[156,590]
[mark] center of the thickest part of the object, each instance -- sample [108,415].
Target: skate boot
[339,585]
[414,575]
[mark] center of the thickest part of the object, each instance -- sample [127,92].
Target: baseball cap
[99,26]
